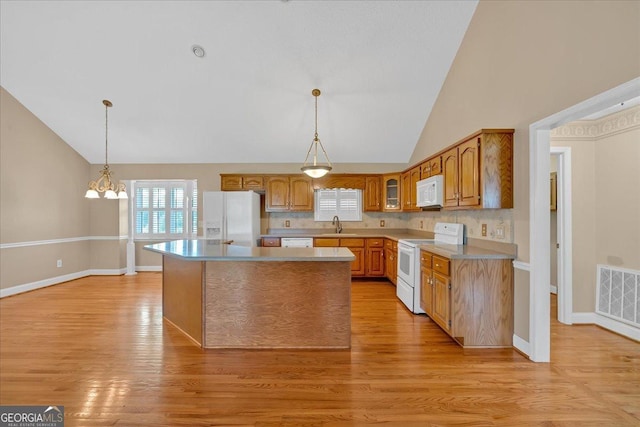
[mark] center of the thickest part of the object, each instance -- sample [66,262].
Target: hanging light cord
[106,135]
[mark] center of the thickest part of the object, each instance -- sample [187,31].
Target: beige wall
[605,160]
[618,200]
[522,61]
[42,181]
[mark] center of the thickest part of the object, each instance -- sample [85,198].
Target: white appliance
[408,283]
[231,215]
[296,242]
[430,191]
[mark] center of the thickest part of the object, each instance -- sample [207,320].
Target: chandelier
[316,170]
[104,184]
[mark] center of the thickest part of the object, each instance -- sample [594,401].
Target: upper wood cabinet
[478,171]
[241,182]
[430,167]
[409,179]
[391,193]
[372,193]
[285,193]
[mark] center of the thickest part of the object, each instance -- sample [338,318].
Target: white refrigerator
[231,215]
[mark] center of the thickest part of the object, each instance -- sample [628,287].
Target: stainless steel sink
[338,234]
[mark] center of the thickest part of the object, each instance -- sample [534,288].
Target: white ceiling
[379,65]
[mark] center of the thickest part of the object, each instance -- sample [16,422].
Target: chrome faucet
[336,222]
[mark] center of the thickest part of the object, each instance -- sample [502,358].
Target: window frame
[189,208]
[343,195]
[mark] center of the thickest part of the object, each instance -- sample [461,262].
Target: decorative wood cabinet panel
[478,171]
[391,260]
[372,194]
[374,258]
[470,299]
[241,182]
[409,191]
[391,193]
[430,167]
[301,194]
[271,242]
[284,193]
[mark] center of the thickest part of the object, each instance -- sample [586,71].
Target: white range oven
[408,283]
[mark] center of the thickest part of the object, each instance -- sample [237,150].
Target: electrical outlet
[59,263]
[500,232]
[287,223]
[421,225]
[484,229]
[382,223]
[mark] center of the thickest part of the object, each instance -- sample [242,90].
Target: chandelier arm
[308,152]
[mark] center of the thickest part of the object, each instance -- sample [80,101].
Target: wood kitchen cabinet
[357,246]
[391,193]
[431,167]
[409,179]
[241,182]
[478,171]
[271,242]
[288,194]
[470,299]
[372,194]
[391,260]
[374,266]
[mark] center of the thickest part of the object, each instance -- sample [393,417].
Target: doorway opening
[539,195]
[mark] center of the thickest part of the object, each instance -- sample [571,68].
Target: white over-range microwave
[430,191]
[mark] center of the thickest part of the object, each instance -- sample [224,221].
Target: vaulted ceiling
[379,64]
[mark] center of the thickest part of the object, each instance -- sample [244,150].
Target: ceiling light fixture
[104,184]
[316,170]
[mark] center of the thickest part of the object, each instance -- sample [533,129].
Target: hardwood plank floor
[99,347]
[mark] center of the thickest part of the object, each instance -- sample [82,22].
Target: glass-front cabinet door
[391,192]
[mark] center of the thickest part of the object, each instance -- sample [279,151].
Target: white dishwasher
[296,242]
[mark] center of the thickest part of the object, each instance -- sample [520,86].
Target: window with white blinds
[165,209]
[345,203]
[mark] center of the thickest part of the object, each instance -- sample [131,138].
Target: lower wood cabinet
[357,246]
[470,299]
[374,258]
[391,260]
[271,242]
[369,254]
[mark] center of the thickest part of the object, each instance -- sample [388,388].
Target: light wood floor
[99,347]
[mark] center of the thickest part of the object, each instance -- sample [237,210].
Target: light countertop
[465,252]
[215,250]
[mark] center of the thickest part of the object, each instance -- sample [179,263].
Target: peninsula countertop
[215,250]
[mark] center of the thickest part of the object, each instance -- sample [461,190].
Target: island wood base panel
[277,304]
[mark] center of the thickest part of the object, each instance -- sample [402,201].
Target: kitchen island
[239,296]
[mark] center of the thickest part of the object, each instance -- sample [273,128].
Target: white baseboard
[108,272]
[42,283]
[148,268]
[58,279]
[607,323]
[553,289]
[521,345]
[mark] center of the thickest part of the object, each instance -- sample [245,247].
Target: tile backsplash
[495,219]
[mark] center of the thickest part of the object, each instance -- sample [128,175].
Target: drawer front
[441,265]
[271,241]
[375,243]
[425,259]
[321,242]
[388,244]
[352,243]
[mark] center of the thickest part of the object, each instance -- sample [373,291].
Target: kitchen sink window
[341,202]
[165,209]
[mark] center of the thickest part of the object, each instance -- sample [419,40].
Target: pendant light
[316,170]
[103,184]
